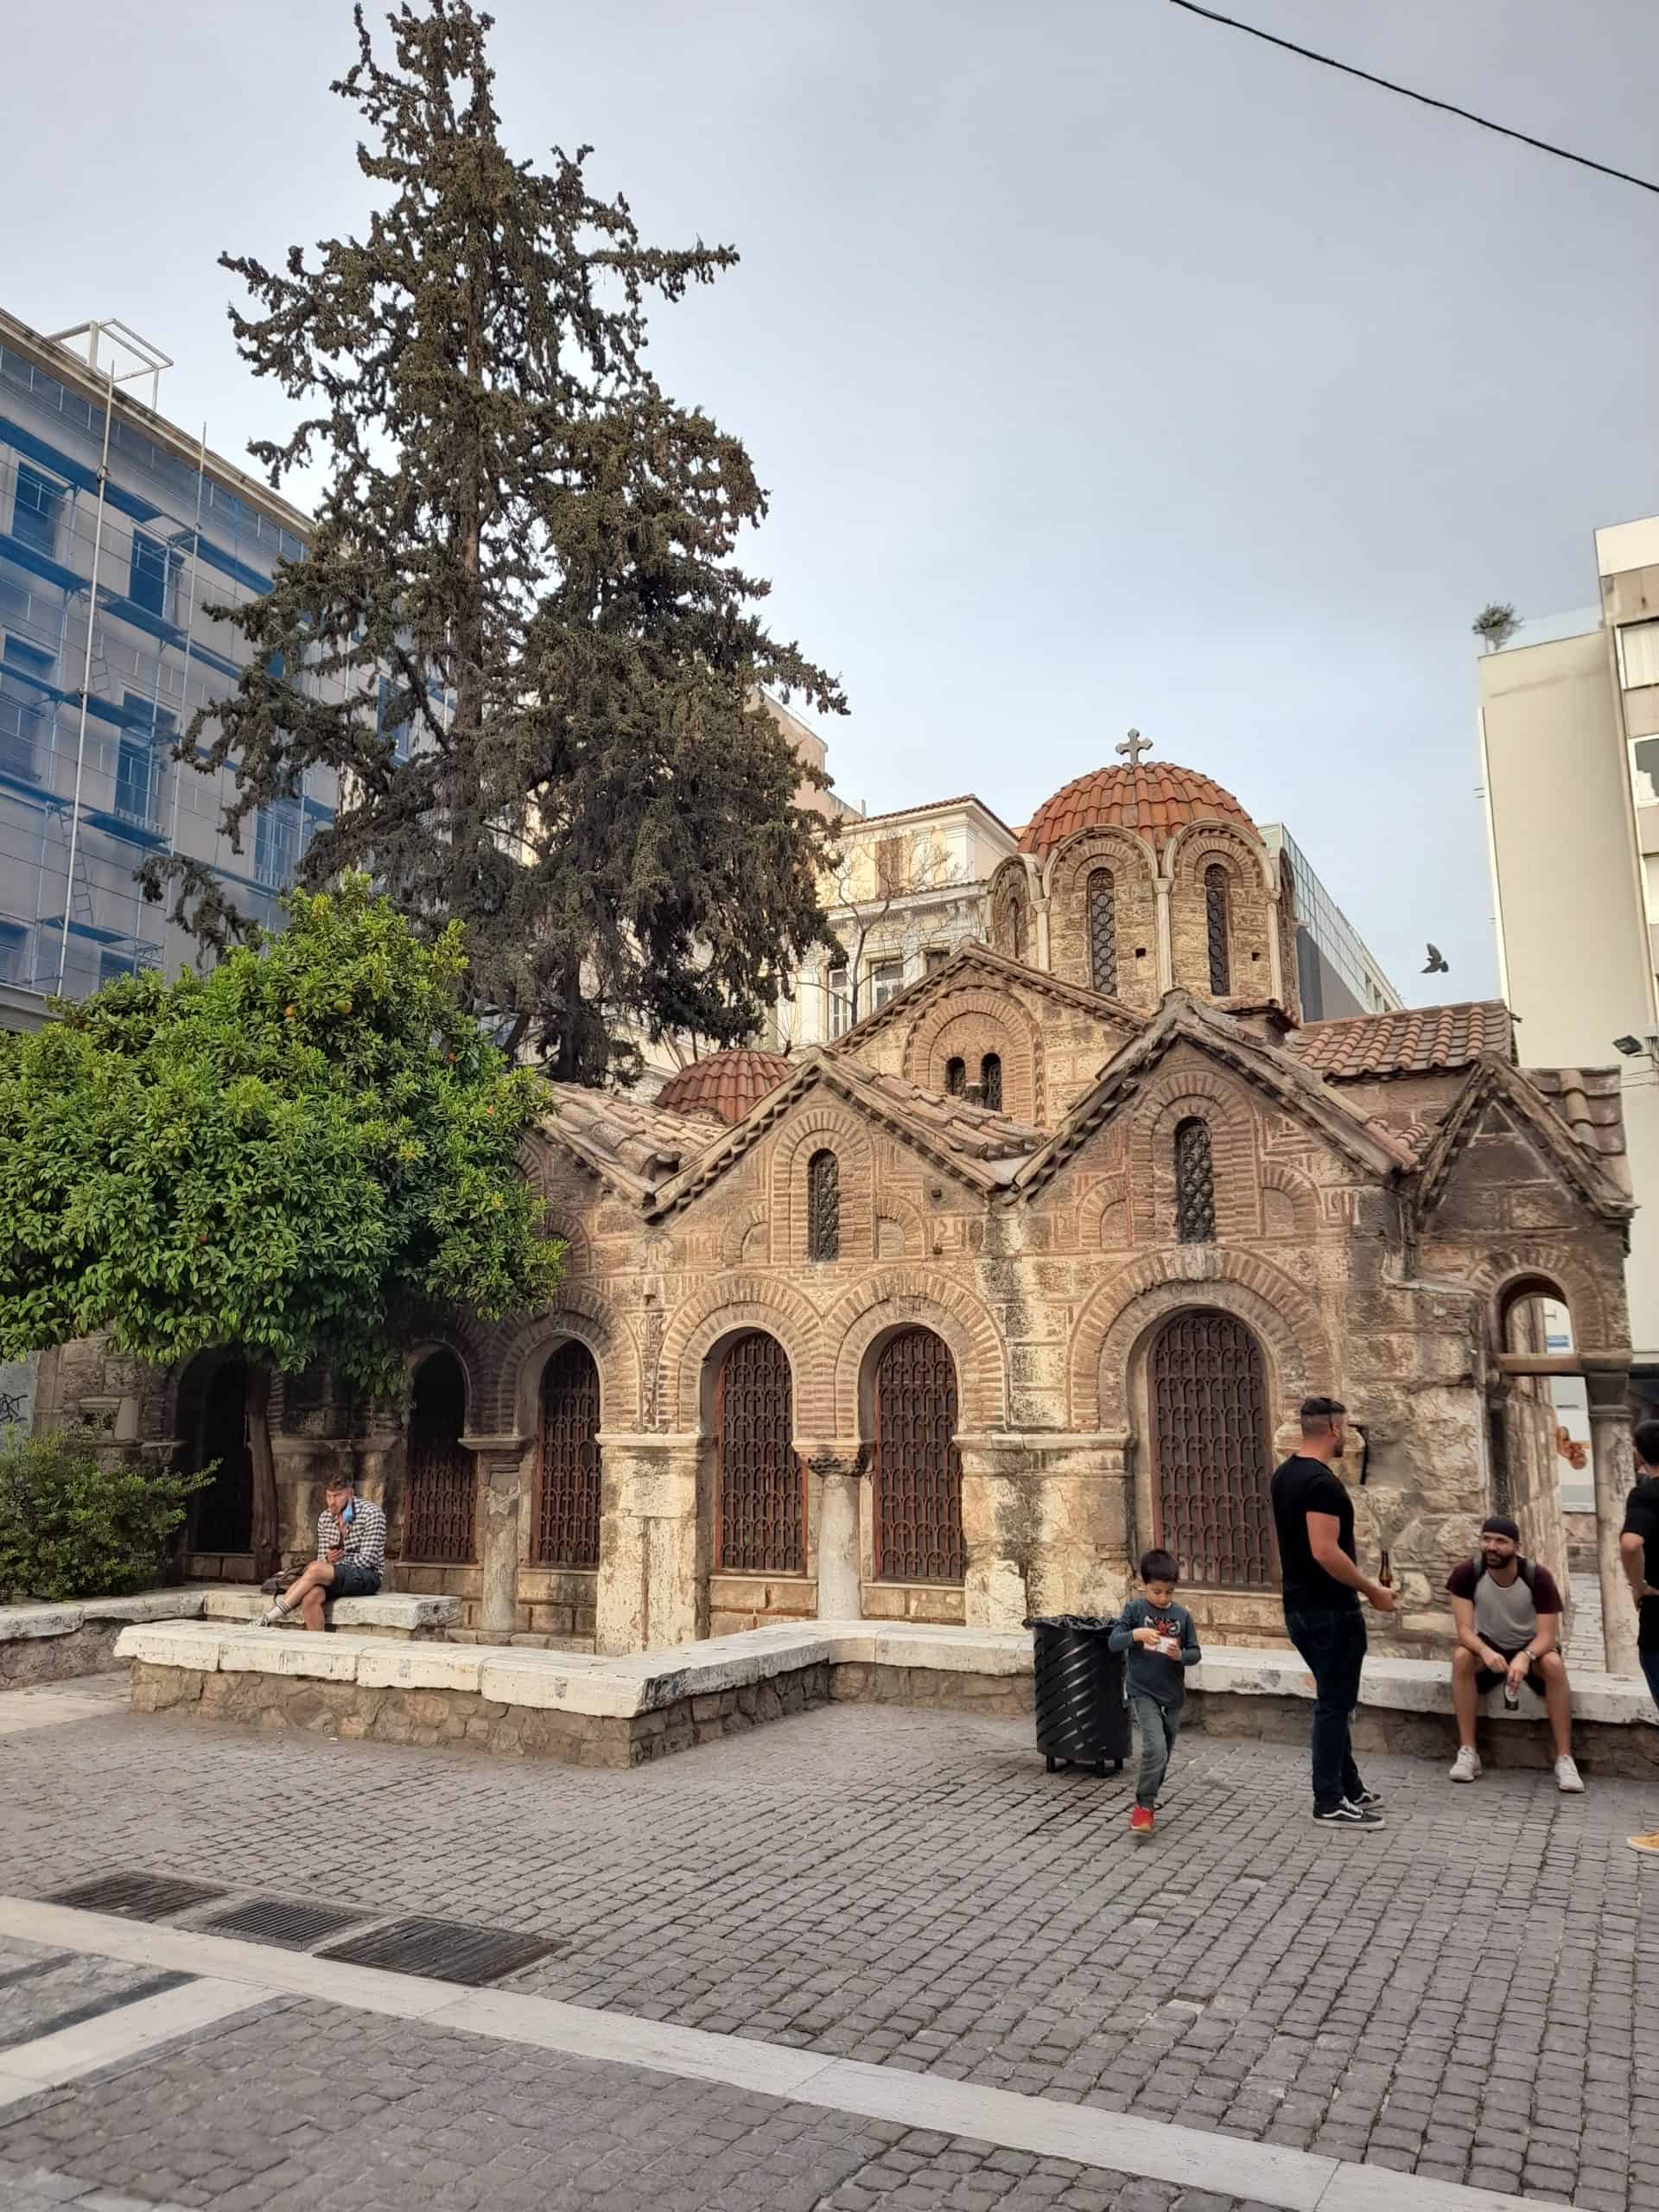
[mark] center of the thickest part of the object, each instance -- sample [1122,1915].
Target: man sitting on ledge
[1507,1612]
[351,1555]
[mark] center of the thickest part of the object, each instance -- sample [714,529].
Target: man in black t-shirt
[1314,1516]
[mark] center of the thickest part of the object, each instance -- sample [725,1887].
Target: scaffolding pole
[189,639]
[87,672]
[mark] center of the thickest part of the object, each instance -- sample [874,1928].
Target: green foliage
[295,1156]
[72,1528]
[523,559]
[1496,623]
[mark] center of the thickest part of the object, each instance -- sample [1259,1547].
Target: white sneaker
[1567,1777]
[274,1616]
[1466,1765]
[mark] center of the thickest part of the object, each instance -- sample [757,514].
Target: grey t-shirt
[1506,1619]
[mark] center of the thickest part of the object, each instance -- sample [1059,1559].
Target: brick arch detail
[575,1311]
[890,1207]
[824,1125]
[915,1298]
[1192,849]
[1496,1272]
[991,1021]
[737,1234]
[1167,1100]
[730,1303]
[1114,1319]
[1012,882]
[1068,865]
[1278,1175]
[1102,1197]
[578,1250]
[1135,902]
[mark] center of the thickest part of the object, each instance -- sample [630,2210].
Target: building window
[1214,921]
[990,1081]
[26,708]
[1195,1183]
[13,953]
[567,1487]
[36,509]
[1102,931]
[823,1207]
[153,578]
[115,967]
[886,981]
[934,956]
[1008,931]
[276,842]
[1639,654]
[840,1001]
[956,1077]
[138,768]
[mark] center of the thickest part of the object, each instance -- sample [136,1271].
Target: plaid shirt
[365,1540]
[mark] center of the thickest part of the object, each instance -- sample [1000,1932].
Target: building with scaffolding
[118,534]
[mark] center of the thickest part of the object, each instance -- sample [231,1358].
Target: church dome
[725,1083]
[1154,798]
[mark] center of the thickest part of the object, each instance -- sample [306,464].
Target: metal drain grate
[442,1950]
[282,1921]
[142,1896]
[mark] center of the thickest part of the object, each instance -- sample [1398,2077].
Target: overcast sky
[1104,367]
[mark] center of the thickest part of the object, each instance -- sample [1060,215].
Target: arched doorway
[1210,1450]
[916,1470]
[213,1421]
[567,1466]
[441,1486]
[761,1485]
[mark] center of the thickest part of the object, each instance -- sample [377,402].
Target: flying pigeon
[1437,964]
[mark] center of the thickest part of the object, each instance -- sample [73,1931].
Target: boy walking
[1162,1643]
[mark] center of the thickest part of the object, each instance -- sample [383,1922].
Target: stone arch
[1114,1322]
[1250,910]
[733,1248]
[1171,1098]
[893,1211]
[965,1025]
[1012,909]
[578,1246]
[1513,1270]
[726,1306]
[823,1124]
[903,1298]
[575,1311]
[1103,1215]
[1292,1209]
[1066,876]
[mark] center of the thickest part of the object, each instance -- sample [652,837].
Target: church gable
[1504,1159]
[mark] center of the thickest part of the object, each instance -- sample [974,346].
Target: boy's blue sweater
[1148,1672]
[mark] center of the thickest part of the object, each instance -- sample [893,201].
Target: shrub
[72,1526]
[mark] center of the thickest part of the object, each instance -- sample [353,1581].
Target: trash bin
[1082,1718]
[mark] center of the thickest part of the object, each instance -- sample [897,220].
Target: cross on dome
[1133,747]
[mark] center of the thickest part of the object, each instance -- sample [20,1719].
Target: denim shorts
[354,1580]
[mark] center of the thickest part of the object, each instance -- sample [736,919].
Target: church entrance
[213,1421]
[442,1485]
[1211,1450]
[567,1486]
[760,1492]
[916,1470]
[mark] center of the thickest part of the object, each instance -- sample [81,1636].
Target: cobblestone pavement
[1457,1995]
[306,2104]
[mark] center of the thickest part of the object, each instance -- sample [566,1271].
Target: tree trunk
[267,1550]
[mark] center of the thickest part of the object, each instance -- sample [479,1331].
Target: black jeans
[1333,1644]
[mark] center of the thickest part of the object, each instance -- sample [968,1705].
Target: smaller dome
[725,1084]
[1154,798]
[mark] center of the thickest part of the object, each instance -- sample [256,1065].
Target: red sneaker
[1140,1820]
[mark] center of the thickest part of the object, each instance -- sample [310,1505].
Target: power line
[1423,100]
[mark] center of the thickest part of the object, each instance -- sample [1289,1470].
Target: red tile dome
[725,1083]
[1154,798]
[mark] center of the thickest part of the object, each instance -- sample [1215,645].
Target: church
[948,1320]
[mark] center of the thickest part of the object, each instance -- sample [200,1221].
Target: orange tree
[297,1156]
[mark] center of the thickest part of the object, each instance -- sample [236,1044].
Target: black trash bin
[1082,1718]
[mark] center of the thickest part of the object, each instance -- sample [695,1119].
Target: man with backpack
[1508,1611]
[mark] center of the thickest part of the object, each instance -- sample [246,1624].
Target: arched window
[1215,919]
[566,1491]
[822,1207]
[1102,931]
[956,1077]
[443,1477]
[916,1470]
[1195,1183]
[1009,929]
[990,1081]
[760,1520]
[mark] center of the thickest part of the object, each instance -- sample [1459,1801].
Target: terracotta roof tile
[641,1143]
[1588,1100]
[725,1085]
[1419,1041]
[1155,798]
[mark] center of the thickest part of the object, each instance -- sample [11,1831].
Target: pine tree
[518,633]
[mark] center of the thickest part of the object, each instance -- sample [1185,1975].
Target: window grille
[823,1207]
[1195,1183]
[990,1082]
[1102,931]
[1215,917]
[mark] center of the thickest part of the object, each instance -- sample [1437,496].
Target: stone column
[1081,1562]
[1610,1453]
[1275,953]
[502,1489]
[1166,941]
[837,1469]
[652,1572]
[1040,914]
[999,1528]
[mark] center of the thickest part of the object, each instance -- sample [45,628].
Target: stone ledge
[1390,1685]
[392,1613]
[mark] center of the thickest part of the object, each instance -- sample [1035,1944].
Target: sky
[1104,367]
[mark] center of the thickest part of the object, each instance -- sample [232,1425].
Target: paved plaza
[1456,1998]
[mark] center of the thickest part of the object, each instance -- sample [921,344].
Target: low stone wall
[84,1650]
[57,1642]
